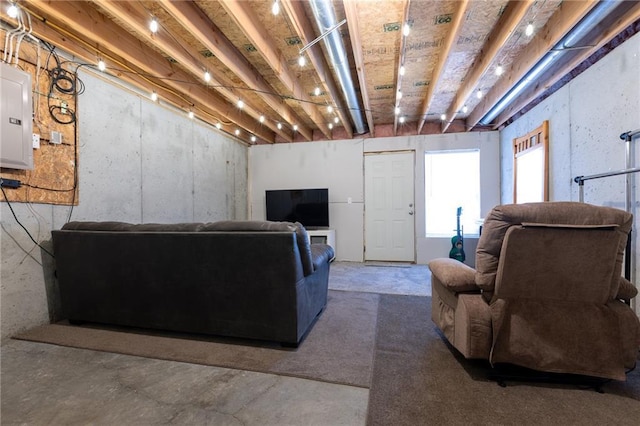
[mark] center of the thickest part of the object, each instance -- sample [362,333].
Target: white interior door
[389,206]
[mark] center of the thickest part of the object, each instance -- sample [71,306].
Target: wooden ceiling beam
[627,18]
[504,29]
[89,24]
[566,17]
[194,20]
[304,30]
[135,15]
[246,19]
[452,36]
[351,13]
[399,75]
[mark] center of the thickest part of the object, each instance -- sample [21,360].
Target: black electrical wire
[22,226]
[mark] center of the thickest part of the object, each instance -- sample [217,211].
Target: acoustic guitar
[457,243]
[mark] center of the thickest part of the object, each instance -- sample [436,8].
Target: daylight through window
[452,180]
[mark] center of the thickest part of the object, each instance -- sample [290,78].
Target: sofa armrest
[454,275]
[626,290]
[321,254]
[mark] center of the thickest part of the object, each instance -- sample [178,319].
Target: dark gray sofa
[247,279]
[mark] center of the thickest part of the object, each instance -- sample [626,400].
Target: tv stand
[323,236]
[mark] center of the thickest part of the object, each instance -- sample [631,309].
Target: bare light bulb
[529,30]
[153,25]
[207,76]
[316,91]
[101,65]
[191,115]
[499,70]
[240,103]
[406,29]
[479,94]
[302,61]
[12,11]
[218,126]
[330,109]
[275,9]
[154,96]
[396,111]
[443,117]
[402,119]
[237,132]
[261,119]
[253,138]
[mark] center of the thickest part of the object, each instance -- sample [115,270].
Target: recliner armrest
[454,275]
[627,290]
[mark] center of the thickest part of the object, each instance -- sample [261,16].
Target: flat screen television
[310,207]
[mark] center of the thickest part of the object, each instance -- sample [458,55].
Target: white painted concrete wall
[586,118]
[139,163]
[338,165]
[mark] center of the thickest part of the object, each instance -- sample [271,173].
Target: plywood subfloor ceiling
[365,78]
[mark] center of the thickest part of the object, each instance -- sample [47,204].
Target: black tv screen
[310,207]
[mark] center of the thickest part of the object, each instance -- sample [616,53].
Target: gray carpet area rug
[418,379]
[339,348]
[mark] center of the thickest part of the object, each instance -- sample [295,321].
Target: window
[452,180]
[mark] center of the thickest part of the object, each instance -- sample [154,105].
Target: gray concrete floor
[51,385]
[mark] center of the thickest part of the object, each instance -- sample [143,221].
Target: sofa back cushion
[503,217]
[222,226]
[256,226]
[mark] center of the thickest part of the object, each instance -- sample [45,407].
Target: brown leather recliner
[547,292]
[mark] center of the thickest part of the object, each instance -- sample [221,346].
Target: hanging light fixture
[101,65]
[499,70]
[240,103]
[191,115]
[154,96]
[275,8]
[261,119]
[207,76]
[479,94]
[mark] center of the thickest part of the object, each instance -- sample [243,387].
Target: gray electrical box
[16,125]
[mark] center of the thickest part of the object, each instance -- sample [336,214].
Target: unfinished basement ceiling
[364,78]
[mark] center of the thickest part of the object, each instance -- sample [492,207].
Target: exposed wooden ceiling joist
[246,18]
[565,18]
[194,20]
[134,15]
[509,21]
[304,29]
[454,32]
[110,37]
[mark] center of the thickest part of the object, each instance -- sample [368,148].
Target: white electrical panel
[16,125]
